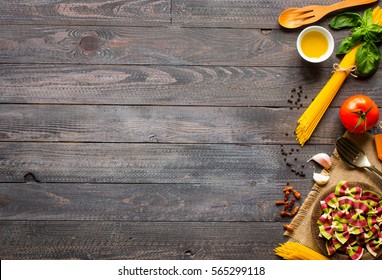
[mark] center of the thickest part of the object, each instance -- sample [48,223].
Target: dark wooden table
[155,129]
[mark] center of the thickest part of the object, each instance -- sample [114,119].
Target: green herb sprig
[364,32]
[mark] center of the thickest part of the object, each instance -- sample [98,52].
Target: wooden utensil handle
[351,3]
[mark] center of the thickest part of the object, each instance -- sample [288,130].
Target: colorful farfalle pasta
[351,221]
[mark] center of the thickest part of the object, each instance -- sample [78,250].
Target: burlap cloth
[338,171]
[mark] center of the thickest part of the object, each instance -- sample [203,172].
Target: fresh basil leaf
[359,33]
[374,33]
[367,59]
[367,18]
[364,32]
[348,43]
[345,20]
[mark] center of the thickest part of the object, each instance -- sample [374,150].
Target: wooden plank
[190,13]
[172,85]
[153,46]
[160,85]
[147,202]
[239,13]
[159,124]
[151,163]
[133,240]
[89,12]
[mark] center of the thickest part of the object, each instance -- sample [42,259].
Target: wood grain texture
[153,46]
[148,163]
[154,129]
[190,13]
[239,13]
[172,85]
[161,85]
[87,12]
[236,13]
[147,202]
[133,240]
[158,124]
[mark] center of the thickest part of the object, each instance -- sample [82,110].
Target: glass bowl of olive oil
[315,44]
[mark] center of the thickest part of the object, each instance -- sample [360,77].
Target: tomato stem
[362,117]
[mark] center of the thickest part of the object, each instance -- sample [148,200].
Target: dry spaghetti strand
[296,251]
[313,114]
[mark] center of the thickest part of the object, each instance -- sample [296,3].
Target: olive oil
[314,44]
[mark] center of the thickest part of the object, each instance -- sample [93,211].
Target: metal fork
[354,156]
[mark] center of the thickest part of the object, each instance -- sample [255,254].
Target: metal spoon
[355,157]
[296,17]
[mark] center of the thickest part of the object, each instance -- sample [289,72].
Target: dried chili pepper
[290,209]
[281,202]
[295,210]
[288,228]
[288,189]
[296,194]
[285,214]
[290,204]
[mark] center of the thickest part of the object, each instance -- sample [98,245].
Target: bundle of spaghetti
[296,251]
[313,114]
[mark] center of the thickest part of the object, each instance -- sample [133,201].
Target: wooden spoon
[296,17]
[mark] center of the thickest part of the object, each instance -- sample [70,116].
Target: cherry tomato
[359,113]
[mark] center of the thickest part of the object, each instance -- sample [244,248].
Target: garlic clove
[320,179]
[322,159]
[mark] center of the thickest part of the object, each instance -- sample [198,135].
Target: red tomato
[359,113]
